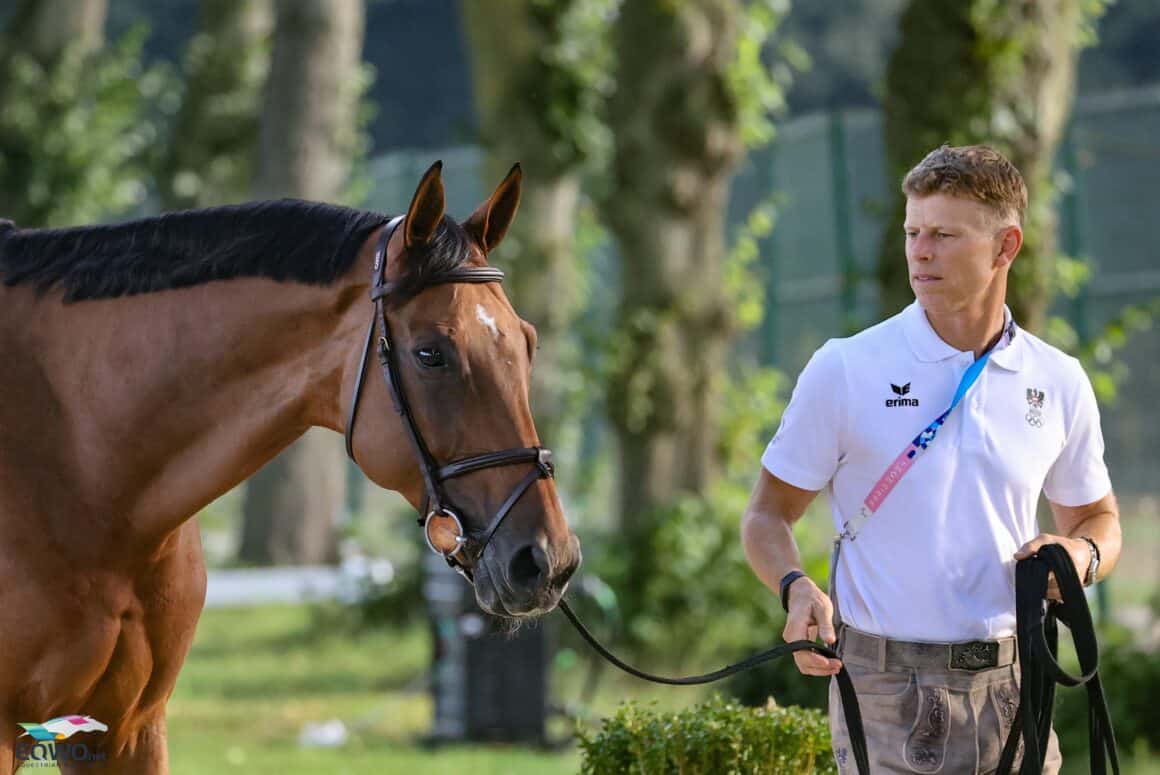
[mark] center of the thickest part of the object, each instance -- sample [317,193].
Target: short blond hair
[976,172]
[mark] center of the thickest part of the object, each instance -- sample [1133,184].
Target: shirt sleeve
[807,446]
[1079,476]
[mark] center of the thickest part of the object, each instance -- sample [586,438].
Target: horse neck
[178,396]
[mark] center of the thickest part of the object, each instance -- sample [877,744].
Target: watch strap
[786,581]
[1094,565]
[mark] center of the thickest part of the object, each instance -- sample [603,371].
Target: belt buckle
[975,655]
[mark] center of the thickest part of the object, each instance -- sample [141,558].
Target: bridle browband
[437,505]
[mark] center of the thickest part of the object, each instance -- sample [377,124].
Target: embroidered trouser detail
[1006,701]
[921,720]
[926,746]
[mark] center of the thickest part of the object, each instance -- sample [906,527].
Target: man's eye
[430,357]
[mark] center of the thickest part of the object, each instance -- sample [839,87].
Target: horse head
[456,361]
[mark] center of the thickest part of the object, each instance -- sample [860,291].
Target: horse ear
[426,210]
[490,221]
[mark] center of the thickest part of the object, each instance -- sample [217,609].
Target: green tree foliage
[209,157]
[541,88]
[75,131]
[986,71]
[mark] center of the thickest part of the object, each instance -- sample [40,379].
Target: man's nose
[919,249]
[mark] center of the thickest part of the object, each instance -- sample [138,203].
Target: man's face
[956,251]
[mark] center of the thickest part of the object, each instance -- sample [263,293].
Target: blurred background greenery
[769,134]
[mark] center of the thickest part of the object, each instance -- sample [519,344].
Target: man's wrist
[786,581]
[1093,566]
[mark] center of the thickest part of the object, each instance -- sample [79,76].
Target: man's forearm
[769,547]
[1104,529]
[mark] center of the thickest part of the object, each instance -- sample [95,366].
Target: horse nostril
[528,566]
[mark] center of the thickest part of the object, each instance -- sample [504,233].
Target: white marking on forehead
[483,317]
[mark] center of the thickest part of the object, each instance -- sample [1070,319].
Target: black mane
[285,240]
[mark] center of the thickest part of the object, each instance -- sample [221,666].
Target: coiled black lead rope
[845,685]
[1037,633]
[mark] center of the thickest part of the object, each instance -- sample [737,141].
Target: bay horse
[148,367]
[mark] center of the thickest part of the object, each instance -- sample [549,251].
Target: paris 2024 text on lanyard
[886,483]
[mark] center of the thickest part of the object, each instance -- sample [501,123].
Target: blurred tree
[74,125]
[995,73]
[540,71]
[692,90]
[309,132]
[44,29]
[209,158]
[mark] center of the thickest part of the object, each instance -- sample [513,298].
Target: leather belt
[883,653]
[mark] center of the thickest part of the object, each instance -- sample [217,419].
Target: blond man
[922,604]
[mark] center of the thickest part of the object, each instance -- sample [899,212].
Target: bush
[1130,676]
[714,738]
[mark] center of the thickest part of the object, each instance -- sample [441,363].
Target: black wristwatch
[786,580]
[1094,566]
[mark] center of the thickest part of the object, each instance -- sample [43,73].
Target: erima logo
[901,391]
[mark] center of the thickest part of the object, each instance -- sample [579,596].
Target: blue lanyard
[922,440]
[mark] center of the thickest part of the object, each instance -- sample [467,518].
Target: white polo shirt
[934,563]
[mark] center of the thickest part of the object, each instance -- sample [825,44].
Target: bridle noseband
[438,511]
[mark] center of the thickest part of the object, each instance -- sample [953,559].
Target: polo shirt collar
[928,346]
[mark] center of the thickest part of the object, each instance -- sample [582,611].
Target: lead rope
[1037,634]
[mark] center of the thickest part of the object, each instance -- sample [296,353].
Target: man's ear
[1010,241]
[491,219]
[426,210]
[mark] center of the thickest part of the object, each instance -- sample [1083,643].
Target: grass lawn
[254,677]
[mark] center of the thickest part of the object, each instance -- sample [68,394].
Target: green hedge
[1131,678]
[716,738]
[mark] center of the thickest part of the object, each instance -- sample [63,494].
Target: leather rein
[437,509]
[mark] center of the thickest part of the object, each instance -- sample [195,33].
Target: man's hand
[1077,549]
[811,613]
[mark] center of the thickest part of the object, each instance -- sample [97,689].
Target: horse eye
[430,357]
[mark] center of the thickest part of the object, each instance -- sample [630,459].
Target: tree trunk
[309,121]
[215,137]
[43,29]
[306,139]
[677,139]
[996,73]
[292,506]
[530,105]
[1041,100]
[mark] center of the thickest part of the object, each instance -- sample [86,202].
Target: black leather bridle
[434,475]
